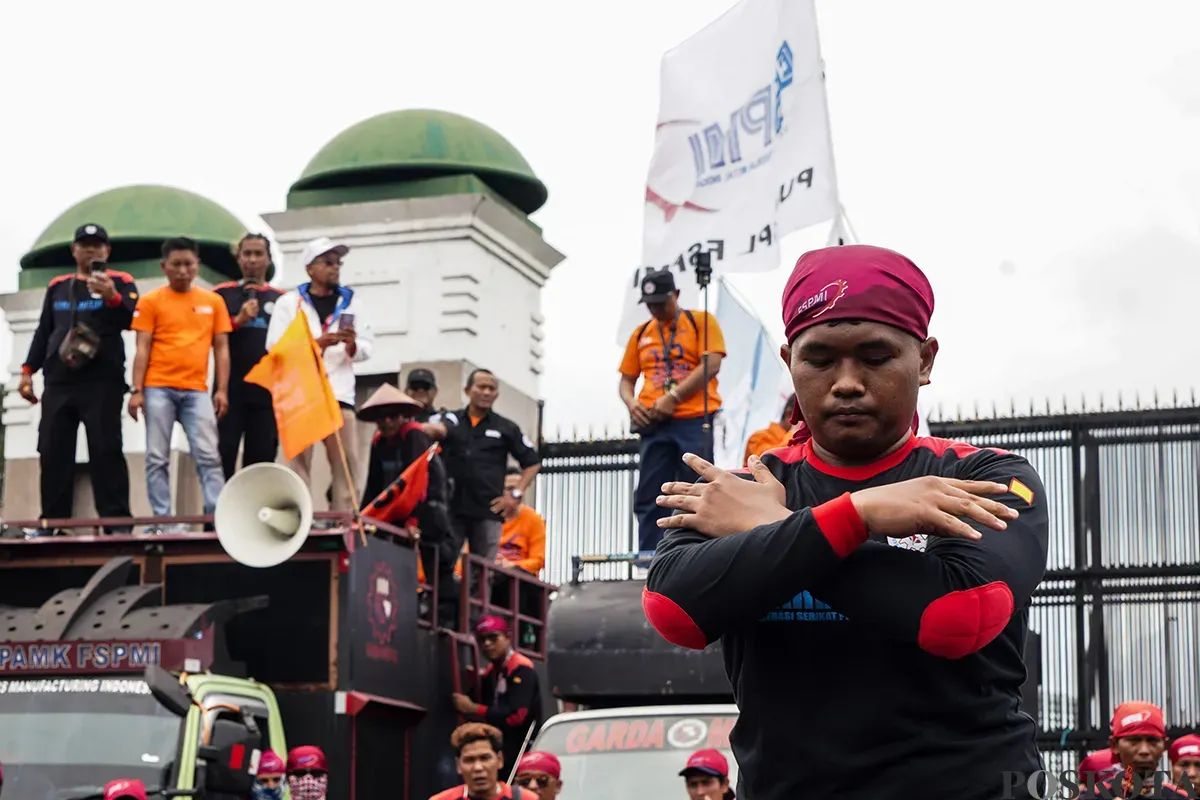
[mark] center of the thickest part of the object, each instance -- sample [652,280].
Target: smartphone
[346,321]
[98,268]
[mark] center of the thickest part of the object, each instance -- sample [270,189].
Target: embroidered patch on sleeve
[1021,490]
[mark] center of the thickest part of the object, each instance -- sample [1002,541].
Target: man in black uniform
[78,347]
[509,688]
[398,443]
[872,586]
[479,442]
[250,302]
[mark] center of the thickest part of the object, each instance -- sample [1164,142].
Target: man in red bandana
[870,589]
[1139,737]
[540,773]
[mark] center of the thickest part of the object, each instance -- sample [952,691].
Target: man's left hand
[505,505]
[220,403]
[726,504]
[664,407]
[101,284]
[463,704]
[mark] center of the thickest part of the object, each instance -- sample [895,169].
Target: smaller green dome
[138,219]
[381,156]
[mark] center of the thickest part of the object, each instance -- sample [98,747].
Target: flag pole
[341,446]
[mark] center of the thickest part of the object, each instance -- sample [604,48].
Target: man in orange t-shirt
[775,435]
[668,413]
[523,535]
[177,326]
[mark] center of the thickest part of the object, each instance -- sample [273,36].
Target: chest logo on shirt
[491,434]
[804,608]
[916,542]
[82,305]
[207,310]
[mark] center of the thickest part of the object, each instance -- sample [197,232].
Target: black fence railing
[1119,611]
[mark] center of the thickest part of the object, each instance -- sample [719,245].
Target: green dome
[382,157]
[138,219]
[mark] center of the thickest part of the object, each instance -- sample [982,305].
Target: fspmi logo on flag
[1021,490]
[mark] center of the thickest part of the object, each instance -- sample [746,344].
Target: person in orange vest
[775,435]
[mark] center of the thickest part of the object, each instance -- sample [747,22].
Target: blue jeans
[660,455]
[194,411]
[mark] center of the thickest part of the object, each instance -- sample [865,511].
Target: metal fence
[1119,610]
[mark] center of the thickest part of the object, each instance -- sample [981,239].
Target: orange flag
[306,411]
[397,502]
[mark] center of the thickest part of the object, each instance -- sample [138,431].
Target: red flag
[396,503]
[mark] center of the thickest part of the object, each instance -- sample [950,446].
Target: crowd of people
[194,349]
[1129,766]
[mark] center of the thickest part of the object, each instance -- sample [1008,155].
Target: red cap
[491,624]
[860,282]
[306,757]
[1098,761]
[1185,747]
[271,764]
[710,762]
[125,788]
[1138,719]
[537,761]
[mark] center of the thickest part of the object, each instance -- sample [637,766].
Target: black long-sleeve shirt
[511,701]
[247,343]
[477,459]
[106,320]
[391,455]
[894,667]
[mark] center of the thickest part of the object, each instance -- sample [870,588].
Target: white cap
[319,247]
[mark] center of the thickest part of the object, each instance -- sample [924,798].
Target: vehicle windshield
[632,756]
[67,737]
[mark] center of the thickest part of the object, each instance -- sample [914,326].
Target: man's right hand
[248,312]
[932,505]
[25,389]
[137,402]
[639,414]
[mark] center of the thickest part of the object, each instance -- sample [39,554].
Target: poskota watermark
[1065,785]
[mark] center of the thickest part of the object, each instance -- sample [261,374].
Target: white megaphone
[263,515]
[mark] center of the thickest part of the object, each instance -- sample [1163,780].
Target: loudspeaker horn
[263,515]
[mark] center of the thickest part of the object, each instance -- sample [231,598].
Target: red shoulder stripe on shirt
[59,279]
[225,285]
[797,453]
[672,622]
[125,276]
[961,623]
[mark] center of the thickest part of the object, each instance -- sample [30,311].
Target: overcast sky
[1040,160]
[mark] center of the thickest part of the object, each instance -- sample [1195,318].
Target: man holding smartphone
[336,319]
[79,349]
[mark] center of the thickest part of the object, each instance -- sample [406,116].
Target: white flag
[742,154]
[751,379]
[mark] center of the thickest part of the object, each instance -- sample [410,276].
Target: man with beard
[871,583]
[250,302]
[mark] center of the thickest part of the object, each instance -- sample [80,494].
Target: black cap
[91,231]
[658,286]
[422,376]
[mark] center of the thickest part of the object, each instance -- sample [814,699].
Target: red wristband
[27,370]
[841,524]
[481,711]
[114,301]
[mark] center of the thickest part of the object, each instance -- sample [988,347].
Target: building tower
[435,207]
